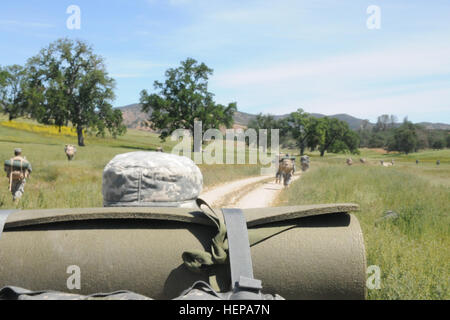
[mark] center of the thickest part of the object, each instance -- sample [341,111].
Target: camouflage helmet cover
[151,179]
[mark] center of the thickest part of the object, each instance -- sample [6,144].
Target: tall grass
[58,183]
[413,250]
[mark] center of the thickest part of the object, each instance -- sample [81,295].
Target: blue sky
[268,56]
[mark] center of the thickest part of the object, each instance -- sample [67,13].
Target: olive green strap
[198,260]
[243,284]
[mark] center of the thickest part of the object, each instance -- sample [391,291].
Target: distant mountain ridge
[134,118]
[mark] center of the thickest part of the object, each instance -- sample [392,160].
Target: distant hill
[435,126]
[135,118]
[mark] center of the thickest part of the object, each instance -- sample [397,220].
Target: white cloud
[411,78]
[420,102]
[403,61]
[221,25]
[338,67]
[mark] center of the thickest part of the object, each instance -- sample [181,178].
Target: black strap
[243,284]
[4,214]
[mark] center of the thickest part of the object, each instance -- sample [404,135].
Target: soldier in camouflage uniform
[17,175]
[304,161]
[292,160]
[286,169]
[281,160]
[70,151]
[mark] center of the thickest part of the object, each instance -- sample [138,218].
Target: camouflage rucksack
[18,175]
[16,170]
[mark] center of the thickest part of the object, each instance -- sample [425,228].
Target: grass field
[413,250]
[58,183]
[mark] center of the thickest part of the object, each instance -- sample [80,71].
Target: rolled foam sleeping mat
[15,164]
[320,256]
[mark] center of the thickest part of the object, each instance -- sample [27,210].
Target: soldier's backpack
[286,165]
[16,170]
[70,150]
[17,173]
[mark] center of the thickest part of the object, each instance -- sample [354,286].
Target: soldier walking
[70,151]
[17,171]
[286,169]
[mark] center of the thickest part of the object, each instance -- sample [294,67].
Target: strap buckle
[244,285]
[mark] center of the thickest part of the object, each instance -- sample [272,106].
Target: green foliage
[317,128]
[70,84]
[338,137]
[385,122]
[306,130]
[13,82]
[389,135]
[404,138]
[351,141]
[365,132]
[377,140]
[184,98]
[439,144]
[329,134]
[264,122]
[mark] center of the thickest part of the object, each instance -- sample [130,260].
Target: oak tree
[13,82]
[71,86]
[182,99]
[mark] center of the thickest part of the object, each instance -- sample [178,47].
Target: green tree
[298,122]
[383,123]
[338,137]
[365,133]
[351,140]
[285,134]
[404,138]
[425,137]
[70,85]
[376,140]
[183,98]
[305,129]
[267,122]
[13,80]
[439,144]
[316,127]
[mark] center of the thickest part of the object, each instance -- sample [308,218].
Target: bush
[439,144]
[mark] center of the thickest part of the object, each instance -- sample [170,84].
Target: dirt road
[255,192]
[262,196]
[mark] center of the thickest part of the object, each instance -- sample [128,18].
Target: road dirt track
[262,196]
[254,192]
